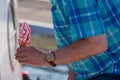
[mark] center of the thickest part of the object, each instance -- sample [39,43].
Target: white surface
[5,69]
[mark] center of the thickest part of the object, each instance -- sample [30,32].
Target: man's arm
[72,75]
[81,49]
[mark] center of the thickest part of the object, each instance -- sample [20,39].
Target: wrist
[50,57]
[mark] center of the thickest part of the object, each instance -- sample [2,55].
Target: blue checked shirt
[78,19]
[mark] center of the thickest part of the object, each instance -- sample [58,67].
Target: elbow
[103,46]
[99,43]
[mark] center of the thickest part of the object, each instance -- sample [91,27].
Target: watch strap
[52,63]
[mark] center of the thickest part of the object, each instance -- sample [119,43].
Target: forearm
[81,49]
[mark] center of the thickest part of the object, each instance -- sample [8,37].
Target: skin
[79,50]
[72,75]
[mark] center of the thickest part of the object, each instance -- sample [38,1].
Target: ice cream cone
[24,35]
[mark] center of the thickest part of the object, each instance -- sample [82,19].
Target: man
[88,39]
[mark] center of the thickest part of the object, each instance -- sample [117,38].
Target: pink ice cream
[24,35]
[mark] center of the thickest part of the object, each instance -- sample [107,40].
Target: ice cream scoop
[24,35]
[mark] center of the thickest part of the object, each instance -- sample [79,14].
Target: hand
[72,75]
[30,55]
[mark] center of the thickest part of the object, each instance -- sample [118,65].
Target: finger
[21,48]
[20,57]
[23,61]
[20,53]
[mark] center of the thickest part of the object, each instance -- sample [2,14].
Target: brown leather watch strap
[52,63]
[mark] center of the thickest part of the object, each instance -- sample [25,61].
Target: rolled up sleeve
[84,19]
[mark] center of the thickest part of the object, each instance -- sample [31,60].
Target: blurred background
[37,14]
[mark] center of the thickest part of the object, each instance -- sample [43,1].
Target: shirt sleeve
[84,19]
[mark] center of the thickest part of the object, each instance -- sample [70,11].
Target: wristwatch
[50,57]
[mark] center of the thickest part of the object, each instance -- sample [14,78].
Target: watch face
[50,57]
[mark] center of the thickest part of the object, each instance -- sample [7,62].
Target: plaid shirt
[78,19]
